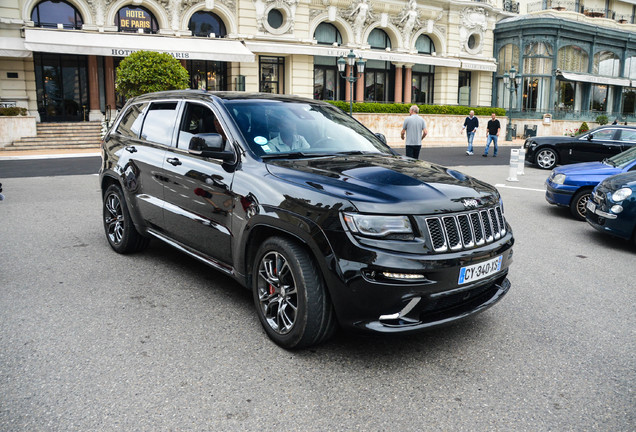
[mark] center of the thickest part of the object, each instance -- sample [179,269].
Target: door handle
[131,149]
[173,161]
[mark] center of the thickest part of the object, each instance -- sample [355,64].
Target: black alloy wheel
[578,205]
[120,230]
[289,294]
[546,158]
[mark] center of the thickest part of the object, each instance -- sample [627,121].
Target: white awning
[479,65]
[124,44]
[593,79]
[13,47]
[330,51]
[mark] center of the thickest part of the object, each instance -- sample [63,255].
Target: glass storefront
[62,87]
[272,74]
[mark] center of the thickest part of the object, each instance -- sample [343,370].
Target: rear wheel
[290,297]
[121,233]
[579,203]
[546,158]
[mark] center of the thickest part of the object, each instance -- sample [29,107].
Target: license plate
[591,207]
[475,272]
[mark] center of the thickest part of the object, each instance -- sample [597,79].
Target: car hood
[587,168]
[379,183]
[618,181]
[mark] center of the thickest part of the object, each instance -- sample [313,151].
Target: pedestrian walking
[414,129]
[493,127]
[470,124]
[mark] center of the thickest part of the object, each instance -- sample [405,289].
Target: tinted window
[197,119]
[604,134]
[130,124]
[159,122]
[628,135]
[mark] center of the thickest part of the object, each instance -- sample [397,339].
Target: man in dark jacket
[493,129]
[470,124]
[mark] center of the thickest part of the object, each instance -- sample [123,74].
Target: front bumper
[616,225]
[365,301]
[560,195]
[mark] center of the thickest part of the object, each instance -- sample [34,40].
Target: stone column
[109,82]
[360,88]
[408,82]
[398,82]
[94,113]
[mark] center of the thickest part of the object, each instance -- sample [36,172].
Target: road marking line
[50,156]
[520,188]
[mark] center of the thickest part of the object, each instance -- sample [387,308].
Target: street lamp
[351,61]
[511,82]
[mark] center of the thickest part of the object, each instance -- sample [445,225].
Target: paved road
[92,340]
[43,166]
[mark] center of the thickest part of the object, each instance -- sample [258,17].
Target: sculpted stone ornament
[407,20]
[358,14]
[261,6]
[473,23]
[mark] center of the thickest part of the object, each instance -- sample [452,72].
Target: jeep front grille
[465,230]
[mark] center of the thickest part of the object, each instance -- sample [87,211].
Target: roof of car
[225,95]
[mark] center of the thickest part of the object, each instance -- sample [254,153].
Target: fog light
[616,209]
[403,276]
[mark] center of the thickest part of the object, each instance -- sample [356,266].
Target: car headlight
[379,226]
[621,194]
[558,179]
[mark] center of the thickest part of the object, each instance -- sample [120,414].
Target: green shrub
[147,71]
[584,127]
[13,111]
[398,108]
[602,119]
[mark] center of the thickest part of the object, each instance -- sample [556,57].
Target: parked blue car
[571,185]
[612,207]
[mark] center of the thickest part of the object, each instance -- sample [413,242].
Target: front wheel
[120,230]
[546,158]
[579,203]
[290,297]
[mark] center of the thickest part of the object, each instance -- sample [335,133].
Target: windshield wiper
[293,155]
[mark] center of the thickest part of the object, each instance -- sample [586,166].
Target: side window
[628,135]
[605,134]
[159,122]
[197,118]
[130,124]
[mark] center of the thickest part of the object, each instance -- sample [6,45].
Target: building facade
[574,60]
[58,58]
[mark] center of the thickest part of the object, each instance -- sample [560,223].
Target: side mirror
[590,137]
[381,137]
[210,145]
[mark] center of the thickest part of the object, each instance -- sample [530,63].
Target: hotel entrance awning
[570,76]
[123,44]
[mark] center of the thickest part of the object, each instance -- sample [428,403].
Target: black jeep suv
[303,205]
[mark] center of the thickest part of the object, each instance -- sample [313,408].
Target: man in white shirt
[414,129]
[288,140]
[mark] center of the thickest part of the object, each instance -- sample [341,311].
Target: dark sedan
[595,145]
[612,208]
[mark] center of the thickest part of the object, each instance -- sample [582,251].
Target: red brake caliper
[271,287]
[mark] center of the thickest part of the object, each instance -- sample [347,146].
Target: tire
[578,203]
[290,296]
[546,158]
[121,233]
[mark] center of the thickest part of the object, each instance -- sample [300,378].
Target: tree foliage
[149,71]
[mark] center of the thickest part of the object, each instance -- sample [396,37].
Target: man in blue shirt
[470,124]
[414,129]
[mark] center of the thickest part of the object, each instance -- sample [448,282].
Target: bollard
[522,162]
[514,163]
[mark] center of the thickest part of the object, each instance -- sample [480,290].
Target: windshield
[622,159]
[274,128]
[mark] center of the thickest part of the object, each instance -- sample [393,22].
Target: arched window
[135,19]
[50,13]
[606,63]
[378,39]
[327,34]
[508,57]
[572,58]
[424,45]
[206,23]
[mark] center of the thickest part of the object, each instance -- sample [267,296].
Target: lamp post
[511,82]
[351,61]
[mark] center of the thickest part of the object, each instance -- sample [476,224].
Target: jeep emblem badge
[470,203]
